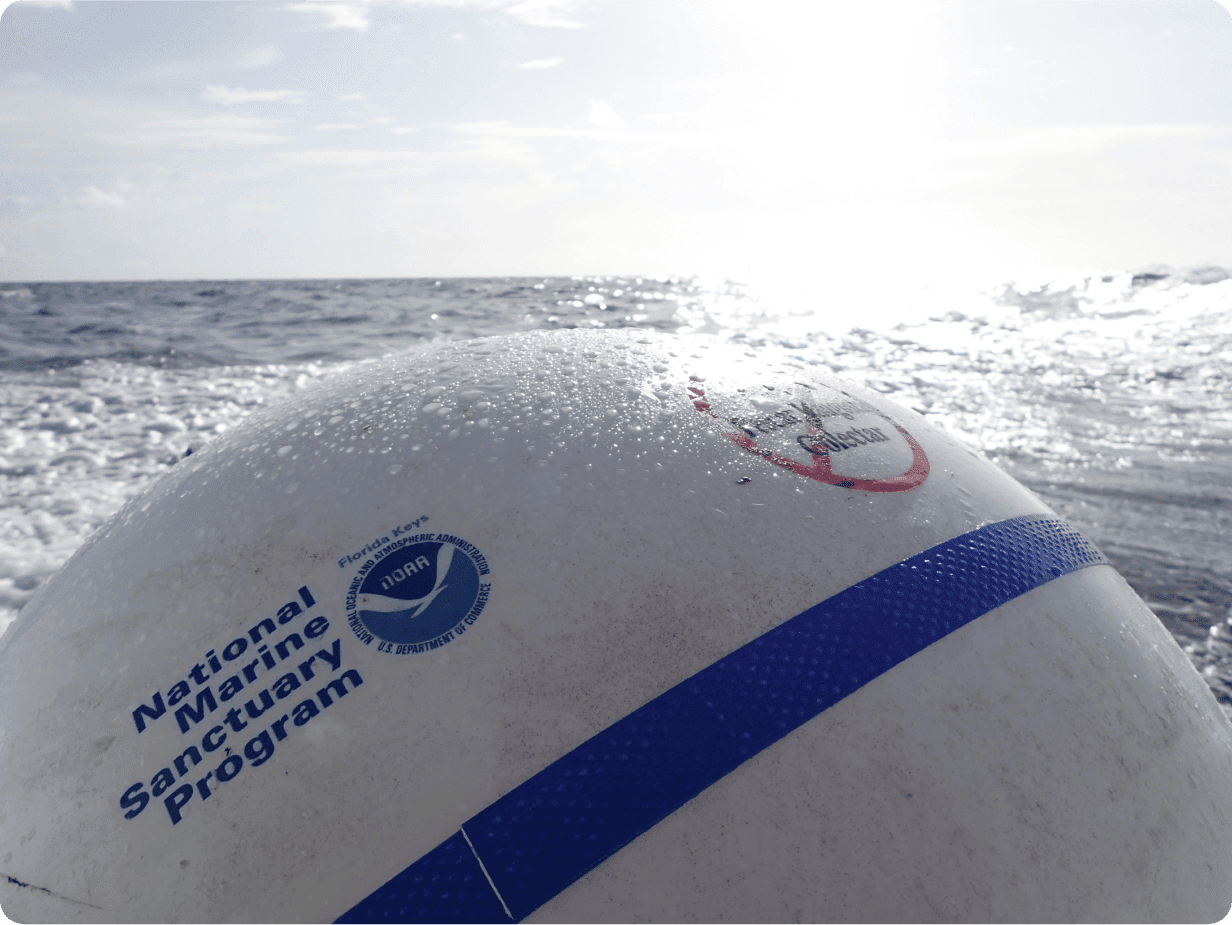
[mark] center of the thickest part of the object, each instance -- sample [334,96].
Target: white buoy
[600,626]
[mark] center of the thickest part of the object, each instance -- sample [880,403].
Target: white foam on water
[76,444]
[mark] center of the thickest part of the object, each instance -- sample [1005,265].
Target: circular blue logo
[418,593]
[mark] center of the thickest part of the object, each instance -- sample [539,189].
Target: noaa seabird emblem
[418,593]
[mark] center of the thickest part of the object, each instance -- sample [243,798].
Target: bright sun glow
[821,117]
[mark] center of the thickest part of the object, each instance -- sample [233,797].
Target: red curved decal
[819,445]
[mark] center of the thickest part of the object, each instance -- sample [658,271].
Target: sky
[218,140]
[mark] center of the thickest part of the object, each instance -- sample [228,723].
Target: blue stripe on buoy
[545,834]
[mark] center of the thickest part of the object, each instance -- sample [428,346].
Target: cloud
[334,15]
[359,101]
[690,140]
[330,157]
[226,96]
[507,149]
[549,13]
[602,115]
[1066,139]
[336,127]
[507,145]
[540,64]
[260,56]
[205,132]
[93,196]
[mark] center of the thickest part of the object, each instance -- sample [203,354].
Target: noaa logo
[417,593]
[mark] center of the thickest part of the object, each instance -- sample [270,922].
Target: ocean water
[1108,394]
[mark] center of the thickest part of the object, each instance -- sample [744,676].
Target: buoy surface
[601,626]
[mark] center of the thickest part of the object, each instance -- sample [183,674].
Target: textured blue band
[546,833]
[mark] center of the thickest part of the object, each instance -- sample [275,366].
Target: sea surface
[1108,394]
